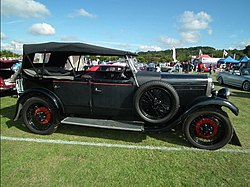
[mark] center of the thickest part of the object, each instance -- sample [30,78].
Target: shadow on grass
[9,113]
[243,94]
[12,93]
[173,136]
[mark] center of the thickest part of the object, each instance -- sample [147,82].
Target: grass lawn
[44,164]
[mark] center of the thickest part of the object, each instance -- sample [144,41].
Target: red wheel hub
[206,128]
[43,115]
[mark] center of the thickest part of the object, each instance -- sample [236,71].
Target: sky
[131,25]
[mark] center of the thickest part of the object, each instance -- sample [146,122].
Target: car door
[226,77]
[74,94]
[234,79]
[112,97]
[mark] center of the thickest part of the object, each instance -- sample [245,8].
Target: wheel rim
[39,116]
[42,115]
[220,80]
[155,103]
[246,86]
[207,129]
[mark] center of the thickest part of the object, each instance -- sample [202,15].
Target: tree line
[7,53]
[185,54]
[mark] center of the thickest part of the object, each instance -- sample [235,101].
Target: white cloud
[242,45]
[171,42]
[149,48]
[14,46]
[192,24]
[14,22]
[133,47]
[190,37]
[210,31]
[68,38]
[116,45]
[3,36]
[190,27]
[81,12]
[24,8]
[42,29]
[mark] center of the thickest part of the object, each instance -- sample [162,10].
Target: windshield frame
[131,63]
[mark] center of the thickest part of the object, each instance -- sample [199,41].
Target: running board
[107,124]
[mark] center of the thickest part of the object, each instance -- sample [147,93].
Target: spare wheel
[156,102]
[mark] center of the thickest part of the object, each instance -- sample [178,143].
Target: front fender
[214,102]
[211,101]
[37,92]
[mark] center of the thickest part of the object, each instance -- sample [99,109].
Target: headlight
[210,87]
[224,93]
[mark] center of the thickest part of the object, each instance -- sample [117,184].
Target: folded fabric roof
[73,48]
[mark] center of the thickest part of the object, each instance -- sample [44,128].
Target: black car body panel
[144,77]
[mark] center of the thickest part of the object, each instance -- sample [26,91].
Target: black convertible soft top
[73,48]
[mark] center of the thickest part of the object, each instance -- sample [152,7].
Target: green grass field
[48,164]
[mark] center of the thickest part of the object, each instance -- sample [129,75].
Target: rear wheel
[40,116]
[208,128]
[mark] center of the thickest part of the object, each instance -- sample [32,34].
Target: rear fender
[38,92]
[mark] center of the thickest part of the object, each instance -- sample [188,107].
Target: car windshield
[245,71]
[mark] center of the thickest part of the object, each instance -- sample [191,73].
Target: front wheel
[246,86]
[40,116]
[208,129]
[220,81]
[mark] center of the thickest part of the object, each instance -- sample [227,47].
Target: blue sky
[134,25]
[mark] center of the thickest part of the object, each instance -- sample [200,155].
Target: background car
[7,85]
[151,66]
[238,78]
[7,72]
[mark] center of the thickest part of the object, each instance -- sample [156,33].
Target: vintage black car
[59,89]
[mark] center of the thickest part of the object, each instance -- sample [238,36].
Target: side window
[76,62]
[38,58]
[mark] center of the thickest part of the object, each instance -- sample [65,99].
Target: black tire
[156,102]
[40,116]
[220,80]
[246,86]
[208,128]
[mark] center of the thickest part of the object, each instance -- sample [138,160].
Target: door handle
[56,86]
[97,90]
